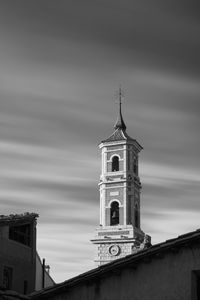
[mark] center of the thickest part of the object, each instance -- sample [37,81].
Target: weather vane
[119,95]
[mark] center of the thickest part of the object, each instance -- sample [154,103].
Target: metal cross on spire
[120,95]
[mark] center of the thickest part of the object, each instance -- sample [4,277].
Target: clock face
[114,250]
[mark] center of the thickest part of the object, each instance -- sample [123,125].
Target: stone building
[20,266]
[119,233]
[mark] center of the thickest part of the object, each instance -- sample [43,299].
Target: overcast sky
[61,64]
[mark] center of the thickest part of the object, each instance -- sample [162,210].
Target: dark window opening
[21,234]
[25,287]
[136,218]
[128,160]
[195,285]
[114,213]
[7,278]
[129,209]
[135,166]
[115,164]
[198,287]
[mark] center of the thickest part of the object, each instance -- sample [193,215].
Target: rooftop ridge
[18,217]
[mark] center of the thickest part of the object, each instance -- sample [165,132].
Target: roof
[118,135]
[120,122]
[133,260]
[17,218]
[11,295]
[120,129]
[121,135]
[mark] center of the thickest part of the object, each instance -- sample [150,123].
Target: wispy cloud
[60,65]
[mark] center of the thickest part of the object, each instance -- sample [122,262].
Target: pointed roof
[120,127]
[118,135]
[120,122]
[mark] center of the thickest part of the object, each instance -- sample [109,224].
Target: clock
[114,250]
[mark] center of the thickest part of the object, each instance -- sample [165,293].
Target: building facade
[119,233]
[18,252]
[21,269]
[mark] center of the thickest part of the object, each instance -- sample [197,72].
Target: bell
[114,215]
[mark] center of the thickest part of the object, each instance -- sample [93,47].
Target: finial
[120,122]
[120,95]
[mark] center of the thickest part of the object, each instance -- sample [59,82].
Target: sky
[61,64]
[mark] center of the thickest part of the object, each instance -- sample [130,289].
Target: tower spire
[120,122]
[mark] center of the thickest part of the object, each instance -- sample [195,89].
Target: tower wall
[121,186]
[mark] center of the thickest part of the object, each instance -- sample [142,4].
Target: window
[25,287]
[115,164]
[21,234]
[129,209]
[7,278]
[195,285]
[128,160]
[198,287]
[114,213]
[136,217]
[135,166]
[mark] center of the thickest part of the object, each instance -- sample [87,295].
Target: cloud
[151,33]
[60,66]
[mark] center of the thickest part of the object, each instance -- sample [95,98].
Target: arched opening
[115,164]
[136,215]
[135,166]
[114,213]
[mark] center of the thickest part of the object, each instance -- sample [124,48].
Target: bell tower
[119,233]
